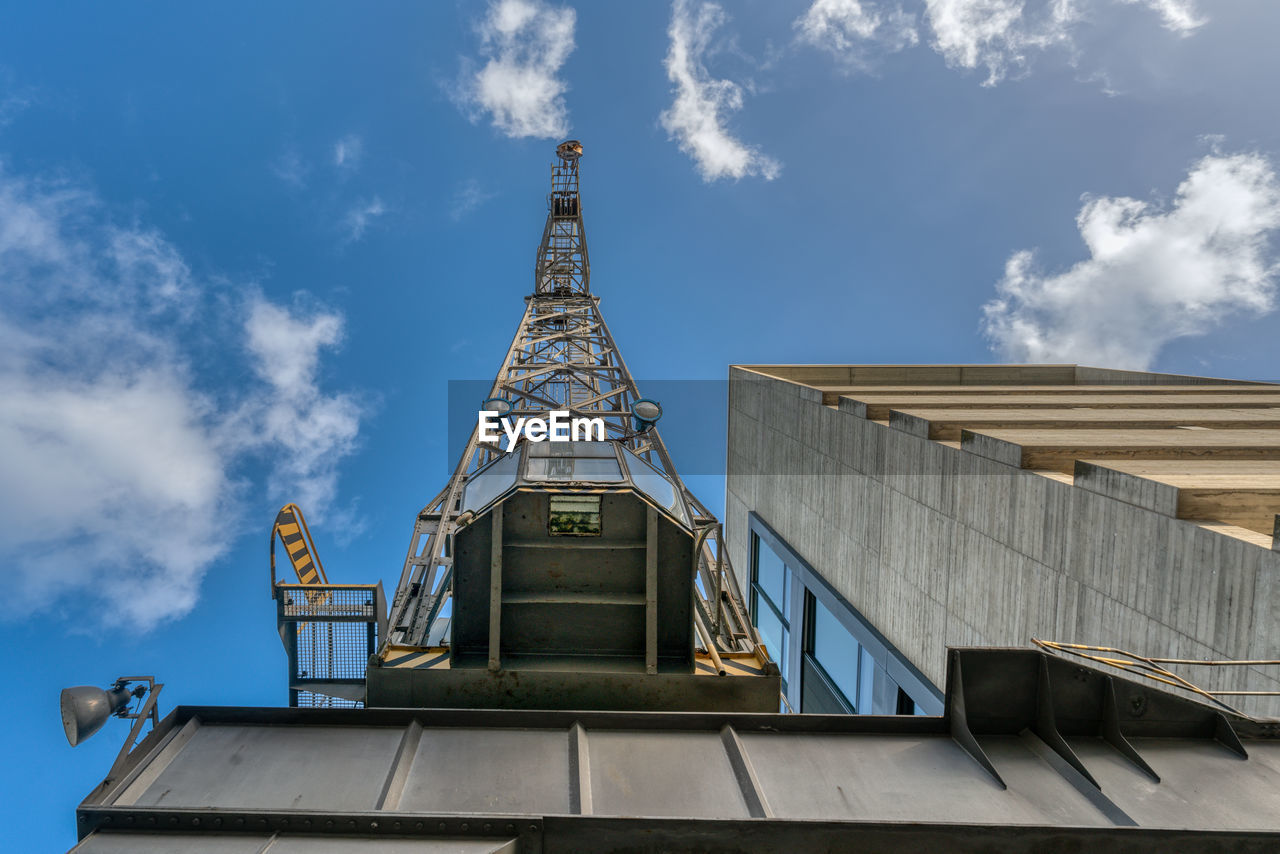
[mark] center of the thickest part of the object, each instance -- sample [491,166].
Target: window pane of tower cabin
[573,461]
[487,484]
[656,485]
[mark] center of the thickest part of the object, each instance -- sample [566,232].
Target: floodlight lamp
[646,413]
[499,405]
[85,708]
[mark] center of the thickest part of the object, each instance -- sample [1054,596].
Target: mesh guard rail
[329,632]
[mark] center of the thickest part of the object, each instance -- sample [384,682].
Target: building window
[837,652]
[866,677]
[841,676]
[770,588]
[844,665]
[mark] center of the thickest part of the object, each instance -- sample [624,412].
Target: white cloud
[357,220]
[1003,35]
[524,44]
[1180,16]
[696,119]
[113,487]
[315,431]
[853,29]
[119,483]
[348,151]
[469,196]
[999,34]
[1153,274]
[291,168]
[147,264]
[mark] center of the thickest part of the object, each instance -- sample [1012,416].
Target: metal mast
[563,267]
[563,357]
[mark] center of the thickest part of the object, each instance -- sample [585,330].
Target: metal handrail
[1150,668]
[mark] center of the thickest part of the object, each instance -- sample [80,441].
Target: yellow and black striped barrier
[291,527]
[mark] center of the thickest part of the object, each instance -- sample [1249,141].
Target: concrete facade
[954,544]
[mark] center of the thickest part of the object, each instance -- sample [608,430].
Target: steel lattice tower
[563,357]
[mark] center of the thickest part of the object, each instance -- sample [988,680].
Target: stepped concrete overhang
[1201,449]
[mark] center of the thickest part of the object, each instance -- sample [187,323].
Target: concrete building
[906,509]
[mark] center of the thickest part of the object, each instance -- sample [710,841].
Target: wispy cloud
[11,105]
[291,168]
[144,260]
[524,44]
[121,480]
[318,429]
[855,32]
[348,151]
[998,34]
[1179,16]
[1002,37]
[1152,275]
[696,118]
[469,196]
[358,219]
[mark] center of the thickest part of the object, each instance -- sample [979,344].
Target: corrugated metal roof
[1023,734]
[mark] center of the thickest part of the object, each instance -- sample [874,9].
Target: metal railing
[1154,669]
[329,632]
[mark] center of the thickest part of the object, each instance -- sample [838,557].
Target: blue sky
[243,250]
